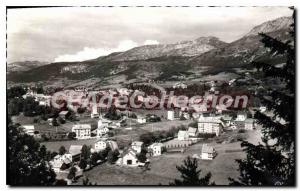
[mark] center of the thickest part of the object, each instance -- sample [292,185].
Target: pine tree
[26,160]
[273,163]
[190,175]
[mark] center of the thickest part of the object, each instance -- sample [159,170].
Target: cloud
[91,53]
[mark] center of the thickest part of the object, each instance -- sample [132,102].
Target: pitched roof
[129,151]
[207,149]
[182,133]
[63,112]
[75,149]
[137,143]
[192,130]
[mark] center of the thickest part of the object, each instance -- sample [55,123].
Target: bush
[71,135]
[241,131]
[112,156]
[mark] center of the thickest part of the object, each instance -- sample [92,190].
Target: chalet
[226,120]
[193,132]
[100,145]
[156,149]
[101,131]
[207,152]
[64,114]
[141,119]
[104,122]
[249,124]
[241,116]
[128,158]
[83,131]
[137,146]
[50,121]
[75,151]
[28,129]
[209,125]
[183,135]
[59,160]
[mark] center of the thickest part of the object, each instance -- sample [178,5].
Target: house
[180,85]
[137,146]
[64,114]
[209,125]
[104,122]
[83,131]
[75,151]
[28,129]
[141,119]
[102,131]
[94,113]
[208,152]
[184,114]
[170,115]
[59,160]
[183,135]
[156,149]
[249,124]
[100,145]
[241,116]
[193,132]
[227,120]
[128,158]
[50,121]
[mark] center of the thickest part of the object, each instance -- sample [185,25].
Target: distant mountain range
[24,66]
[205,55]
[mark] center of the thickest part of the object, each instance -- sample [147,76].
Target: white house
[193,132]
[102,131]
[128,158]
[241,116]
[249,124]
[156,149]
[137,146]
[59,160]
[28,129]
[104,122]
[141,119]
[94,113]
[170,115]
[227,120]
[64,114]
[180,85]
[83,131]
[209,125]
[208,152]
[100,145]
[183,135]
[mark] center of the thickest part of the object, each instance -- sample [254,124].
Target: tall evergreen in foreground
[27,161]
[273,161]
[190,175]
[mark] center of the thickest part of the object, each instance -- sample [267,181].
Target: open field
[163,168]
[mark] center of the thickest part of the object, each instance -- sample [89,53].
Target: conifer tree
[190,174]
[272,162]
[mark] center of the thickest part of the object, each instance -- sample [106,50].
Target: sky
[82,33]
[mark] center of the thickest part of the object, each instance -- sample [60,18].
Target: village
[84,139]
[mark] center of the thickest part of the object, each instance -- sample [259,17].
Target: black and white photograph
[164,96]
